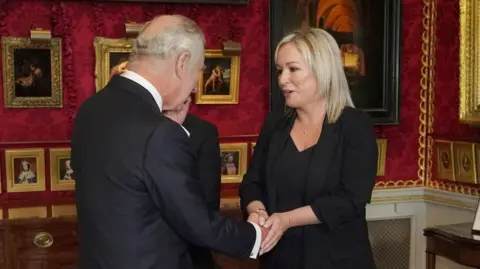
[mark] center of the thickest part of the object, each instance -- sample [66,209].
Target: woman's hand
[278,223]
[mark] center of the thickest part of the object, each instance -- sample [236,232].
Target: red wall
[77,23]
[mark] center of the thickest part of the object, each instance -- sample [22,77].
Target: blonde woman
[313,168]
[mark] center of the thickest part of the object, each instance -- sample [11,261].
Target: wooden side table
[454,242]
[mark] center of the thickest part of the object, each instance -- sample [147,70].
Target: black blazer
[139,202]
[206,149]
[340,182]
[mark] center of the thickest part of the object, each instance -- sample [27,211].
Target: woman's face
[295,78]
[25,166]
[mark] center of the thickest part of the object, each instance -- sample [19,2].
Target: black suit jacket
[206,149]
[139,202]
[340,182]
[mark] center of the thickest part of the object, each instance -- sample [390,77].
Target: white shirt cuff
[258,241]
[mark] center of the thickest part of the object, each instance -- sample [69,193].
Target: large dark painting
[220,2]
[368,34]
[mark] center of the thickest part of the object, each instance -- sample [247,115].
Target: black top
[139,202]
[290,172]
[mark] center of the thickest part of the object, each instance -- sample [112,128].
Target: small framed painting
[444,152]
[464,165]
[25,170]
[219,81]
[62,177]
[234,161]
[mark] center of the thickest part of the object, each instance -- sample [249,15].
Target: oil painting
[25,170]
[233,158]
[218,83]
[32,75]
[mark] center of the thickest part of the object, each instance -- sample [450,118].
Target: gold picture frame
[109,54]
[465,162]
[61,174]
[444,160]
[217,64]
[382,155]
[469,62]
[32,73]
[234,161]
[25,170]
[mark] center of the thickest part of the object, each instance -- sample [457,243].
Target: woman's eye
[293,69]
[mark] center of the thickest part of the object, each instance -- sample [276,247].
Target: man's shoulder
[193,123]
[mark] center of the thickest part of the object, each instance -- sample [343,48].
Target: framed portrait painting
[234,161]
[464,164]
[218,83]
[111,57]
[32,73]
[368,35]
[62,177]
[444,160]
[25,170]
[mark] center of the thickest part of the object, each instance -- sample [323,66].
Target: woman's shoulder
[354,120]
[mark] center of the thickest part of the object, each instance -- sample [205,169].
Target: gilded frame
[57,158]
[232,97]
[382,155]
[445,173]
[464,151]
[242,150]
[469,62]
[55,100]
[34,153]
[103,48]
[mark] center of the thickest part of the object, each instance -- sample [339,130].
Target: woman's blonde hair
[321,53]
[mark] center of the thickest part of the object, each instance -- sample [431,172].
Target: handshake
[272,227]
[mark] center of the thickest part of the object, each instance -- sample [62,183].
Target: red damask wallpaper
[77,23]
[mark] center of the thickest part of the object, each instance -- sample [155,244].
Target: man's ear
[182,64]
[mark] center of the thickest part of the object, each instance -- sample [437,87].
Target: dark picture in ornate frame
[218,2]
[374,78]
[32,73]
[110,54]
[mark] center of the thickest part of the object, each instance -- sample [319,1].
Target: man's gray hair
[185,36]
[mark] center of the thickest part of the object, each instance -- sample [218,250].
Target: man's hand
[179,113]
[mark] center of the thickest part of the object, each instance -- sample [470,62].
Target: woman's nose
[282,78]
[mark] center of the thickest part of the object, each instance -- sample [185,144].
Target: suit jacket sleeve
[253,186]
[359,169]
[179,197]
[209,165]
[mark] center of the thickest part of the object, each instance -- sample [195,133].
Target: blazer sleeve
[176,192]
[358,173]
[209,165]
[253,186]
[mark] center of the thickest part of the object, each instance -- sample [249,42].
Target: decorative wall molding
[414,194]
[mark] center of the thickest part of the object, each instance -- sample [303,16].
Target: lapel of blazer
[278,139]
[320,161]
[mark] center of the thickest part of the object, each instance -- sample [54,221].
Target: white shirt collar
[149,86]
[146,84]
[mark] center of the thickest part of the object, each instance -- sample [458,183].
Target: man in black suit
[206,149]
[139,202]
